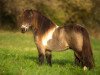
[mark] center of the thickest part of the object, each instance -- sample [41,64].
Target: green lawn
[18,56]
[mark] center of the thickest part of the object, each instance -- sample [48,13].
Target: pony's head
[26,20]
[35,20]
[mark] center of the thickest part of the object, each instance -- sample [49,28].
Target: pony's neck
[43,24]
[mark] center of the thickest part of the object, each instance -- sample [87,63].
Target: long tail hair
[87,55]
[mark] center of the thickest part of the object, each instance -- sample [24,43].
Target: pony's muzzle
[23,30]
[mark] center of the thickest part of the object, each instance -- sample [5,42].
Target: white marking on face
[25,26]
[48,36]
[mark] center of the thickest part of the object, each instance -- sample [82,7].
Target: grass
[18,56]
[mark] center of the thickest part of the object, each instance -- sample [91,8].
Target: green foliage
[18,56]
[60,11]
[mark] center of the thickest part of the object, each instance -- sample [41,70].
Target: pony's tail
[87,55]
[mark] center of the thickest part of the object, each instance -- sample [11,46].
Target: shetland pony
[50,37]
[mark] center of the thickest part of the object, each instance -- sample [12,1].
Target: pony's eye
[30,16]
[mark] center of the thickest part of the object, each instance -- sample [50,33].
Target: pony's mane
[43,23]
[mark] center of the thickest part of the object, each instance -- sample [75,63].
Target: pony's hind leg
[48,57]
[77,59]
[82,59]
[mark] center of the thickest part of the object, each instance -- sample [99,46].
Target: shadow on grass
[32,58]
[61,62]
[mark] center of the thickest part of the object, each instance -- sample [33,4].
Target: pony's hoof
[85,68]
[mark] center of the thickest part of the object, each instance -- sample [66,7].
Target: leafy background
[84,12]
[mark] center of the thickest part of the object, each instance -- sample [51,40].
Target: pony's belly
[57,48]
[55,45]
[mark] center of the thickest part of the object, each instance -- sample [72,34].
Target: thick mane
[44,23]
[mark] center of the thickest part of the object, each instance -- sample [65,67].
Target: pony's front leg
[41,55]
[41,58]
[48,57]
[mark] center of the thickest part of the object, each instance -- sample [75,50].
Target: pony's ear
[23,10]
[31,12]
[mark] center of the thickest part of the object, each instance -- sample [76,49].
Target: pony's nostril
[22,30]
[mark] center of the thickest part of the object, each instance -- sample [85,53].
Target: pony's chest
[48,36]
